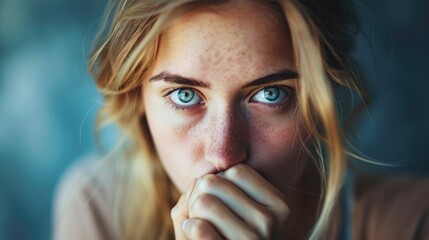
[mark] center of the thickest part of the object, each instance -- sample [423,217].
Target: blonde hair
[122,58]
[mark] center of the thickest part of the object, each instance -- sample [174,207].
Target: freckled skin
[226,49]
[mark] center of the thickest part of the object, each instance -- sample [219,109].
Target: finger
[195,228]
[211,209]
[258,188]
[179,213]
[253,184]
[257,216]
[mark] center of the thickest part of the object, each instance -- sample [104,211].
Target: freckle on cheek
[191,140]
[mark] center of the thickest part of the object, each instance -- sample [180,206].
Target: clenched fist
[235,204]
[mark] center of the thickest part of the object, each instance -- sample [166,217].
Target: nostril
[223,161]
[220,169]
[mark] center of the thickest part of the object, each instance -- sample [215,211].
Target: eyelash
[288,90]
[174,106]
[171,104]
[287,101]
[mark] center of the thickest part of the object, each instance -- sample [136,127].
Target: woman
[230,124]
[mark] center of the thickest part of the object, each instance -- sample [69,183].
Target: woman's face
[222,92]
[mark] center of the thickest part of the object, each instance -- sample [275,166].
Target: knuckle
[199,230]
[237,171]
[174,213]
[251,236]
[283,211]
[266,222]
[203,202]
[209,181]
[268,219]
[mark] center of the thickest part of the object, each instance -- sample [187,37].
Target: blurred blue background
[48,101]
[47,105]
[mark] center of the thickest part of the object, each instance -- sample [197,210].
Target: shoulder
[84,201]
[394,208]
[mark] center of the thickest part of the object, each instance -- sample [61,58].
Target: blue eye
[185,97]
[270,95]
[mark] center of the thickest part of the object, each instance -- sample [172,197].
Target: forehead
[235,42]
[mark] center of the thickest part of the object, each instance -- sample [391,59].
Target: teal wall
[47,105]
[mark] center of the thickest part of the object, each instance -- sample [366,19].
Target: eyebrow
[177,79]
[281,75]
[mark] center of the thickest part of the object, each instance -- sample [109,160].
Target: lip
[206,169]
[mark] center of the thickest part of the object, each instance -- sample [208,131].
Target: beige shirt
[84,202]
[394,209]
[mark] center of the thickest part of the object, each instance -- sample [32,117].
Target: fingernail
[184,224]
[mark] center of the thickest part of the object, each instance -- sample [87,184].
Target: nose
[226,142]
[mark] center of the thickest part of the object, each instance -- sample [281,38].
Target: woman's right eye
[185,97]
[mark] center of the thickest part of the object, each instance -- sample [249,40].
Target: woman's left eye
[270,95]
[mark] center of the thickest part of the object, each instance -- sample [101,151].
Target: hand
[235,204]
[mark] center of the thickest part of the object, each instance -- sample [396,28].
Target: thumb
[180,212]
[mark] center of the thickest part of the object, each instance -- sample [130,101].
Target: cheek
[175,143]
[278,153]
